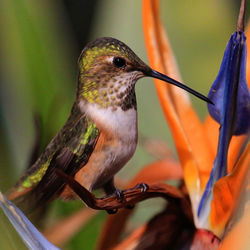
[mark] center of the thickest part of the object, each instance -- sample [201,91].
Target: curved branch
[129,196]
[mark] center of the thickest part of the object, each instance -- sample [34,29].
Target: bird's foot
[142,186]
[119,195]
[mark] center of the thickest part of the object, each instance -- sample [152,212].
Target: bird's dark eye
[119,62]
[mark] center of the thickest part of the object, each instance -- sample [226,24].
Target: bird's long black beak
[165,78]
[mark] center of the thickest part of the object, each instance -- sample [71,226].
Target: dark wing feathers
[70,163]
[69,151]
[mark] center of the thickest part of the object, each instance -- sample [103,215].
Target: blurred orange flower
[197,142]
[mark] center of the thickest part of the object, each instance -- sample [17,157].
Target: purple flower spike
[231,108]
[229,91]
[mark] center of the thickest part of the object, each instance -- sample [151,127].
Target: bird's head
[108,71]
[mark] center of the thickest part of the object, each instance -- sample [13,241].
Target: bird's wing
[69,151]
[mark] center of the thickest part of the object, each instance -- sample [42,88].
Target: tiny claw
[119,195]
[143,186]
[112,211]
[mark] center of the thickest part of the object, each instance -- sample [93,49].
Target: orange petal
[235,148]
[159,171]
[227,191]
[131,241]
[187,130]
[236,144]
[212,132]
[66,228]
[238,238]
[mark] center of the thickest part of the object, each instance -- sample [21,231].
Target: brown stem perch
[241,18]
[130,196]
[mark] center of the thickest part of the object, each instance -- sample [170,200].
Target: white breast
[121,124]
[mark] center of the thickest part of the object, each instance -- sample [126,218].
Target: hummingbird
[101,133]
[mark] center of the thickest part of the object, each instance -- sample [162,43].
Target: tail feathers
[15,194]
[21,198]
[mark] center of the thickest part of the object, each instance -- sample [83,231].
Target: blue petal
[231,108]
[229,91]
[29,234]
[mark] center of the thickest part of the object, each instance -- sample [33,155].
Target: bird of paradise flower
[214,155]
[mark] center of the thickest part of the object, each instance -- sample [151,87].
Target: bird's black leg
[110,189]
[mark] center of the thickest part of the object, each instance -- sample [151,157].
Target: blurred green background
[40,42]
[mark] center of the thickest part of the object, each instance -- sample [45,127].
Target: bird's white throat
[121,123]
